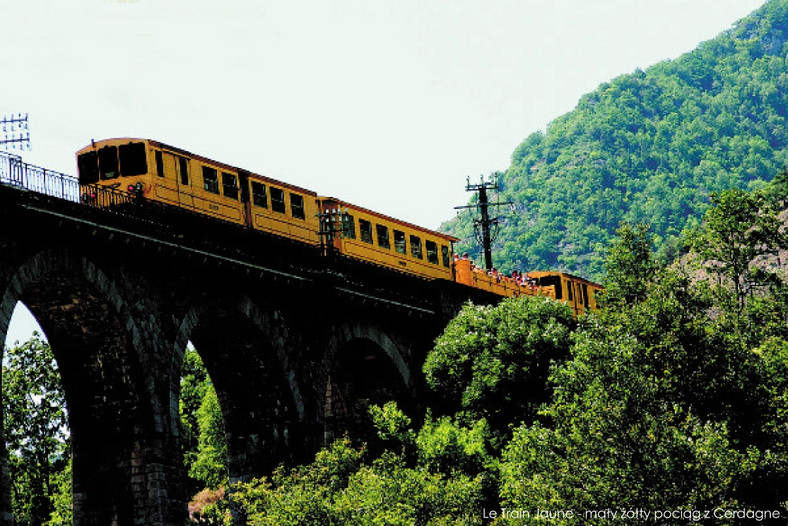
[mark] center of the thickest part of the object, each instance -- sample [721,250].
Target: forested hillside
[648,146]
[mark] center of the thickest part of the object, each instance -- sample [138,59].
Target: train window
[159,164]
[366,230]
[383,236]
[230,185]
[552,281]
[108,162]
[133,159]
[399,242]
[445,256]
[183,165]
[87,164]
[210,179]
[259,195]
[297,206]
[278,200]
[569,292]
[432,252]
[348,227]
[415,247]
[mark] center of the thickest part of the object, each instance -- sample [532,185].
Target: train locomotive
[153,171]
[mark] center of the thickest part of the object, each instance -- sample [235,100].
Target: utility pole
[16,131]
[484,226]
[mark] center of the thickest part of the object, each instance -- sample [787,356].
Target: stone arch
[113,415]
[244,348]
[365,366]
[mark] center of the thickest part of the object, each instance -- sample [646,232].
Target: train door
[184,179]
[578,298]
[246,202]
[571,296]
[167,177]
[586,300]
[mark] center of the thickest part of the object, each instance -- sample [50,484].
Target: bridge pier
[245,351]
[122,458]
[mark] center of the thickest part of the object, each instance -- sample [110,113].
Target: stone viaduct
[292,341]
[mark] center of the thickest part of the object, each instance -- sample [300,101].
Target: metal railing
[108,198]
[14,172]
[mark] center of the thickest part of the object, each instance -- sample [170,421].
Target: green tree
[493,362]
[340,488]
[210,465]
[648,414]
[630,264]
[62,498]
[737,229]
[194,384]
[36,432]
[672,399]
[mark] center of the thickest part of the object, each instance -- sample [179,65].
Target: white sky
[387,104]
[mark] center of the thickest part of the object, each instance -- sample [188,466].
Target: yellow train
[157,172]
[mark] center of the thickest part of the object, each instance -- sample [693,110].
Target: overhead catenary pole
[486,223]
[485,226]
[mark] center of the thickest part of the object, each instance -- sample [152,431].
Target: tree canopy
[37,435]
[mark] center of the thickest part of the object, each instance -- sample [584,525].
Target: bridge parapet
[15,172]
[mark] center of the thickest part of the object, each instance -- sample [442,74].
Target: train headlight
[130,188]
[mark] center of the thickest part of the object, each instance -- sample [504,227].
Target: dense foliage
[648,147]
[36,434]
[672,398]
[203,442]
[202,429]
[340,489]
[493,362]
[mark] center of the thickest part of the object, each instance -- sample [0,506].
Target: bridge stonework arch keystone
[291,347]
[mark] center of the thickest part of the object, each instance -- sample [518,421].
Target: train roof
[541,273]
[405,224]
[201,158]
[186,153]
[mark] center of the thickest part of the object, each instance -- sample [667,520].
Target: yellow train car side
[383,240]
[172,176]
[578,293]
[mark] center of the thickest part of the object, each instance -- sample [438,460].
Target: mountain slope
[648,146]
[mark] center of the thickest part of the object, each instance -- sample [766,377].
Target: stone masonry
[289,349]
